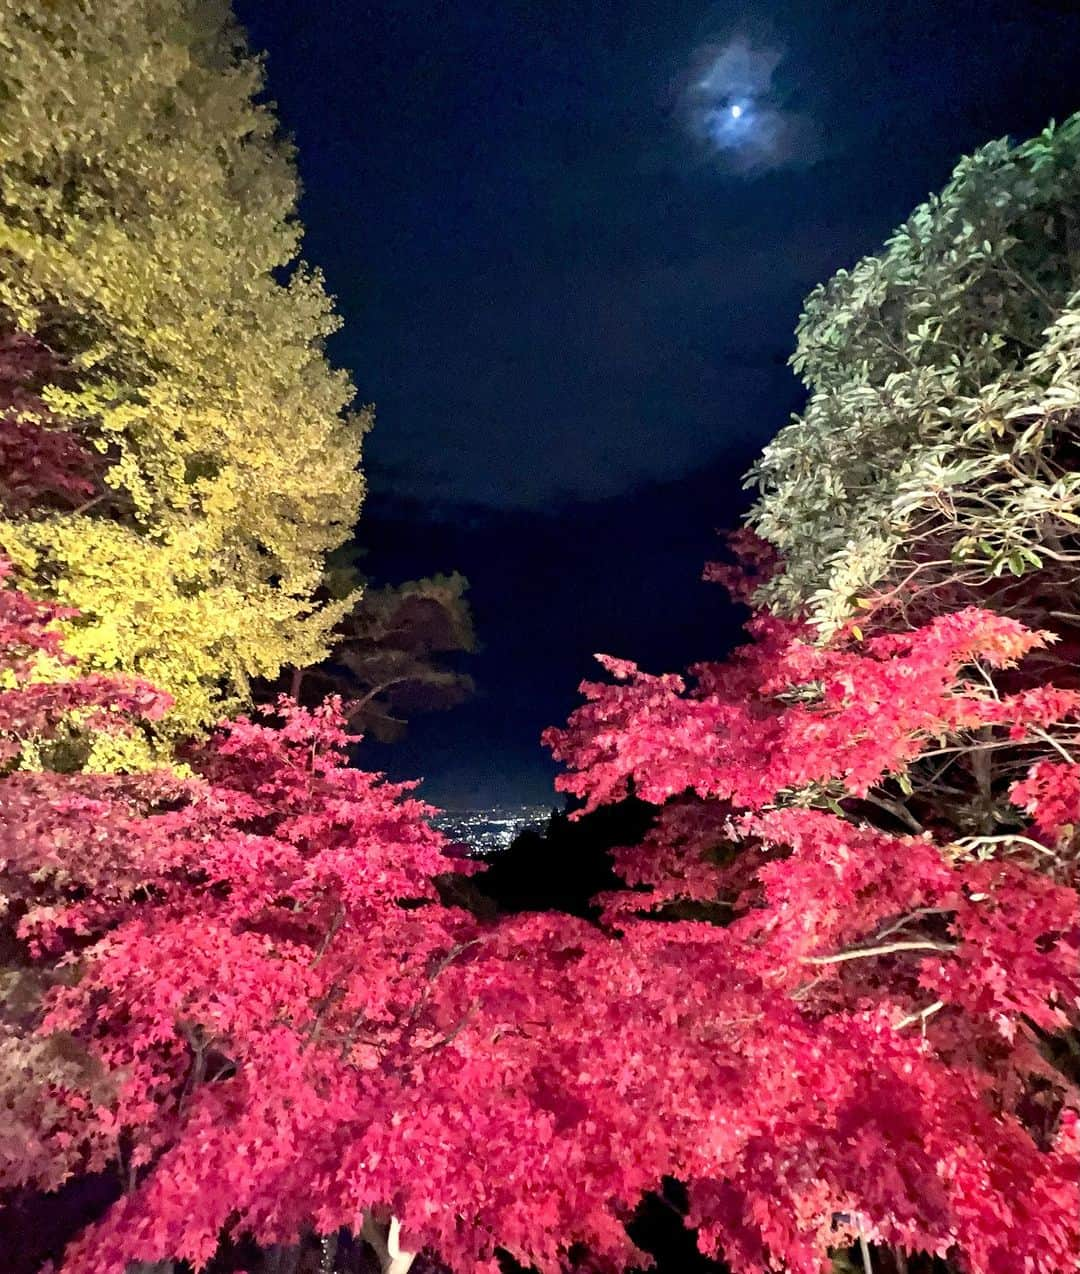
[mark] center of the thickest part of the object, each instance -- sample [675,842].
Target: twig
[353,1033]
[335,993]
[965,841]
[1041,734]
[909,917]
[404,1040]
[889,948]
[897,810]
[89,504]
[456,1030]
[921,1016]
[335,925]
[199,1044]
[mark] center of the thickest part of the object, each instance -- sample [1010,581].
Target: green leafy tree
[936,461]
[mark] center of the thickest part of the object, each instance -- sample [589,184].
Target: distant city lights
[488,831]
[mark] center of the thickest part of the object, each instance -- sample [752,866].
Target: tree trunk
[384,1238]
[281,1259]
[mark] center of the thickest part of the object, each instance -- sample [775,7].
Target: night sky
[569,242]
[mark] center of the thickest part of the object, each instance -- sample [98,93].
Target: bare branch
[897,809]
[335,925]
[908,918]
[1041,734]
[967,841]
[331,997]
[453,1034]
[864,1250]
[888,948]
[921,1016]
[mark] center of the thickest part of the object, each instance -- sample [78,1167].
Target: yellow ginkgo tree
[149,244]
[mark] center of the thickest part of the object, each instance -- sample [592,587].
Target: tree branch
[966,841]
[386,1244]
[888,948]
[897,810]
[921,1016]
[335,925]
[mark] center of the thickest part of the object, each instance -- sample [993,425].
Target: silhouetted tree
[389,657]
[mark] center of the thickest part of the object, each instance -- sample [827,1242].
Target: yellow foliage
[147,234]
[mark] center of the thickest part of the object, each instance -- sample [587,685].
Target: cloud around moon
[732,104]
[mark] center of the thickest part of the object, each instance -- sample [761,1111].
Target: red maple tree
[262,1015]
[259,1011]
[41,461]
[894,958]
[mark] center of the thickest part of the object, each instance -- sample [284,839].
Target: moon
[733,104]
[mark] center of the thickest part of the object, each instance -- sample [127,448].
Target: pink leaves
[294,1026]
[824,1027]
[789,714]
[875,993]
[1050,795]
[41,462]
[1019,955]
[35,708]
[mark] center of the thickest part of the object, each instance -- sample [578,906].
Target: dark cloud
[734,107]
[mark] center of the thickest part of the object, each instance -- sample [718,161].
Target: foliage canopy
[148,243]
[387,655]
[837,995]
[938,444]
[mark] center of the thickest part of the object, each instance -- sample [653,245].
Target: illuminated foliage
[894,954]
[41,462]
[876,802]
[149,248]
[937,451]
[235,985]
[873,807]
[37,707]
[262,1013]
